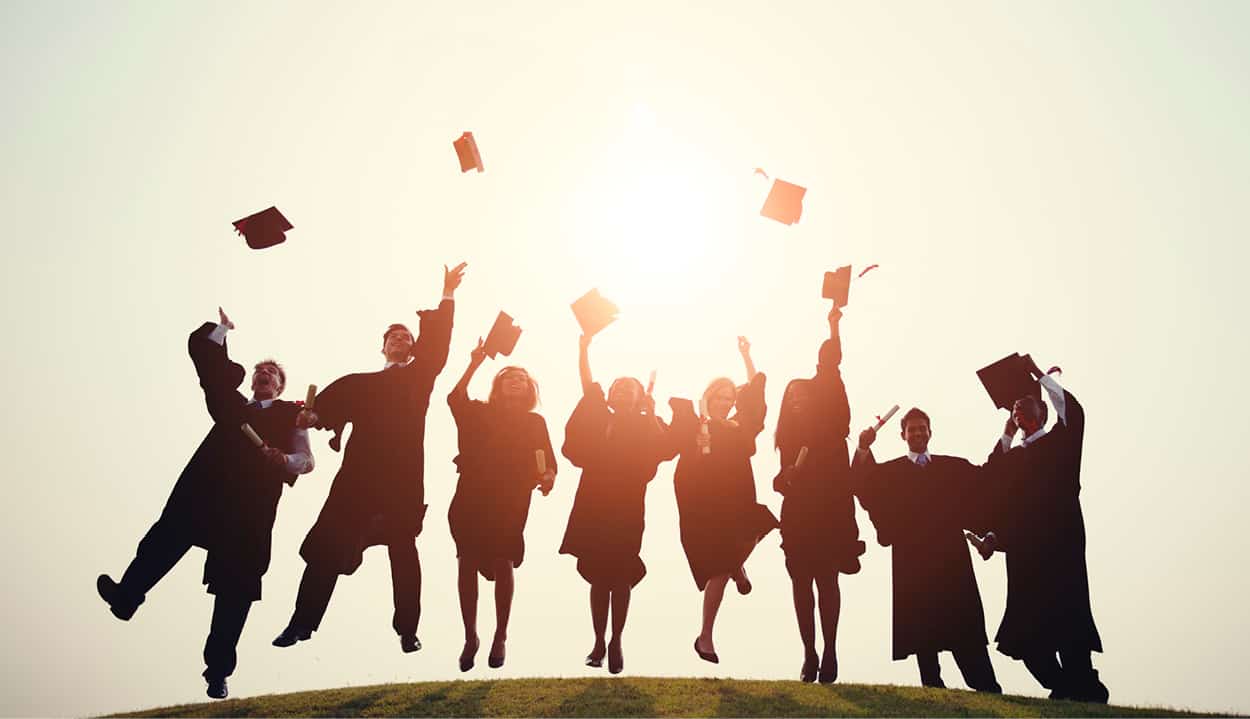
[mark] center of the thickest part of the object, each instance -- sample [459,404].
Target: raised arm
[583,363]
[459,395]
[434,334]
[219,377]
[744,348]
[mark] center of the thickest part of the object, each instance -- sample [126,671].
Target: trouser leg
[974,664]
[1079,676]
[1045,668]
[229,614]
[315,590]
[930,670]
[405,587]
[158,552]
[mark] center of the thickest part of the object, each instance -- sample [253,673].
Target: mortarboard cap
[594,312]
[837,286]
[503,336]
[784,203]
[1007,380]
[466,150]
[263,229]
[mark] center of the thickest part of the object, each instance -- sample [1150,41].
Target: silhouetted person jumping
[618,442]
[225,500]
[378,495]
[818,531]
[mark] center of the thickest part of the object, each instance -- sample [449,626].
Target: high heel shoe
[616,659]
[468,657]
[828,670]
[494,661]
[705,656]
[595,658]
[811,665]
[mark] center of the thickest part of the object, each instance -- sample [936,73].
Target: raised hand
[835,315]
[546,482]
[1010,429]
[583,341]
[744,345]
[478,354]
[306,418]
[452,277]
[225,321]
[867,437]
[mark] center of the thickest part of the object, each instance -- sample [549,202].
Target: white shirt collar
[1034,437]
[914,456]
[264,403]
[389,365]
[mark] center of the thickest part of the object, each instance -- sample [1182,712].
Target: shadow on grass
[608,698]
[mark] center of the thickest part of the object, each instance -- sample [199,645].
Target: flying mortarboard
[503,336]
[263,229]
[594,312]
[837,286]
[1008,379]
[784,202]
[466,150]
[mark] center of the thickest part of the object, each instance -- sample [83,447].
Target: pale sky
[1065,179]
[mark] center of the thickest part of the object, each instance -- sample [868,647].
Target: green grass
[644,696]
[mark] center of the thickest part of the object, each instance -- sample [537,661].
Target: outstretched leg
[620,609]
[830,601]
[466,585]
[713,595]
[405,587]
[805,614]
[504,587]
[600,597]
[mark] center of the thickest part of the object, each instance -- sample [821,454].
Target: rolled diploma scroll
[312,397]
[540,458]
[703,430]
[251,434]
[798,463]
[881,421]
[651,382]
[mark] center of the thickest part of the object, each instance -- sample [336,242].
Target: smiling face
[267,381]
[720,396]
[397,345]
[513,387]
[916,433]
[1029,414]
[625,394]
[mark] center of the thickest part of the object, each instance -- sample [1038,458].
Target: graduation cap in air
[1008,379]
[594,312]
[263,229]
[784,202]
[837,286]
[466,150]
[503,336]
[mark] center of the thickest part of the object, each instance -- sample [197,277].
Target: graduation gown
[1036,515]
[921,512]
[720,519]
[498,475]
[819,534]
[619,456]
[226,498]
[378,495]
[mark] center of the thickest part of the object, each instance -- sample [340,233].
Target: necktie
[922,460]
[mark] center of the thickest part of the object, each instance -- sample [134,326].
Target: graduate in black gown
[378,495]
[920,504]
[500,442]
[225,500]
[721,520]
[818,531]
[619,443]
[1036,518]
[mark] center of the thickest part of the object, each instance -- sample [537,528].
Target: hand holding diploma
[704,438]
[546,477]
[985,546]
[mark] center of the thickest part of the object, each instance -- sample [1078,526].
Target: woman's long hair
[528,402]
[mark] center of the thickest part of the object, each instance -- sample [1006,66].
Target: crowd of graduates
[1023,501]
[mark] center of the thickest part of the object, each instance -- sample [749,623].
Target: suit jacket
[1036,515]
[378,495]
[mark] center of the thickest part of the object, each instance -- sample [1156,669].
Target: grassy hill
[643,696]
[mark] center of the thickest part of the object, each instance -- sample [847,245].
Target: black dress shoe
[705,656]
[110,592]
[811,665]
[217,688]
[409,643]
[290,636]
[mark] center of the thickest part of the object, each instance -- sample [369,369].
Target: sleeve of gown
[219,377]
[585,426]
[870,486]
[433,340]
[751,407]
[544,443]
[828,383]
